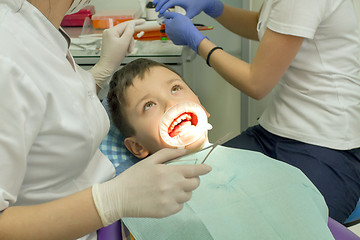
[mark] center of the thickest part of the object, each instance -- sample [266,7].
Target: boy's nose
[169,104]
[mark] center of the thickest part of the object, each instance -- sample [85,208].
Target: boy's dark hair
[120,81]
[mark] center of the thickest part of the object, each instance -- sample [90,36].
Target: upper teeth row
[179,120]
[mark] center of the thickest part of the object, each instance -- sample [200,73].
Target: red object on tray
[77,19]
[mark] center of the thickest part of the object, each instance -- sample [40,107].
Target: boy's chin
[193,147]
[198,144]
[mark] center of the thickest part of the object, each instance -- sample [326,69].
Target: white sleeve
[22,109]
[298,18]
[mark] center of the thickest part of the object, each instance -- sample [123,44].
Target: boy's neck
[207,143]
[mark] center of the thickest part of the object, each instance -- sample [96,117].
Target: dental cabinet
[164,52]
[86,52]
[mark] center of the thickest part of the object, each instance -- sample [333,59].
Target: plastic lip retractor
[183,124]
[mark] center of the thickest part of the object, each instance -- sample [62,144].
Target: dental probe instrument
[218,142]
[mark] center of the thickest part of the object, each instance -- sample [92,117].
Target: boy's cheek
[164,145]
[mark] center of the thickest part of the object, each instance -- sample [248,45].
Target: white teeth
[179,120]
[189,133]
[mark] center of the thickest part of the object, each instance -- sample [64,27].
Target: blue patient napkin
[247,195]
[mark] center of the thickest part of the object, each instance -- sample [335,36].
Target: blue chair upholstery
[113,147]
[354,218]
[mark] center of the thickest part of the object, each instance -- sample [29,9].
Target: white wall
[220,99]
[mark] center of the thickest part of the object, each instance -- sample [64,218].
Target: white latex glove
[117,42]
[148,189]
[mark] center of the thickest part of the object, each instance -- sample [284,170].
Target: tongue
[176,131]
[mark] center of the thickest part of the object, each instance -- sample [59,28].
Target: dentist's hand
[117,43]
[148,189]
[213,8]
[182,31]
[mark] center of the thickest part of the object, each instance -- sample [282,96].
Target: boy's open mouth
[185,119]
[183,124]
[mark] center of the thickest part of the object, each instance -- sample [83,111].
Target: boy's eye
[148,105]
[175,89]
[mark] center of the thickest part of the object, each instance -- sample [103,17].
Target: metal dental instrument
[213,147]
[220,141]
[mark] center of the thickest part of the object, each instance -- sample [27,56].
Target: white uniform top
[51,119]
[318,99]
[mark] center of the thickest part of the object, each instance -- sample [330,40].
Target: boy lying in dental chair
[246,196]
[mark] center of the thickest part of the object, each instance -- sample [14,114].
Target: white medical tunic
[51,119]
[318,99]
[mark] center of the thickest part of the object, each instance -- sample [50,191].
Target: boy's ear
[136,148]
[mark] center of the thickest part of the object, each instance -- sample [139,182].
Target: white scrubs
[317,101]
[51,119]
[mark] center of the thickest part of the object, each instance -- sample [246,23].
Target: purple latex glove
[182,31]
[213,8]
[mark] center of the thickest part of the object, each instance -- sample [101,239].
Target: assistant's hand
[148,189]
[182,31]
[117,42]
[213,8]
